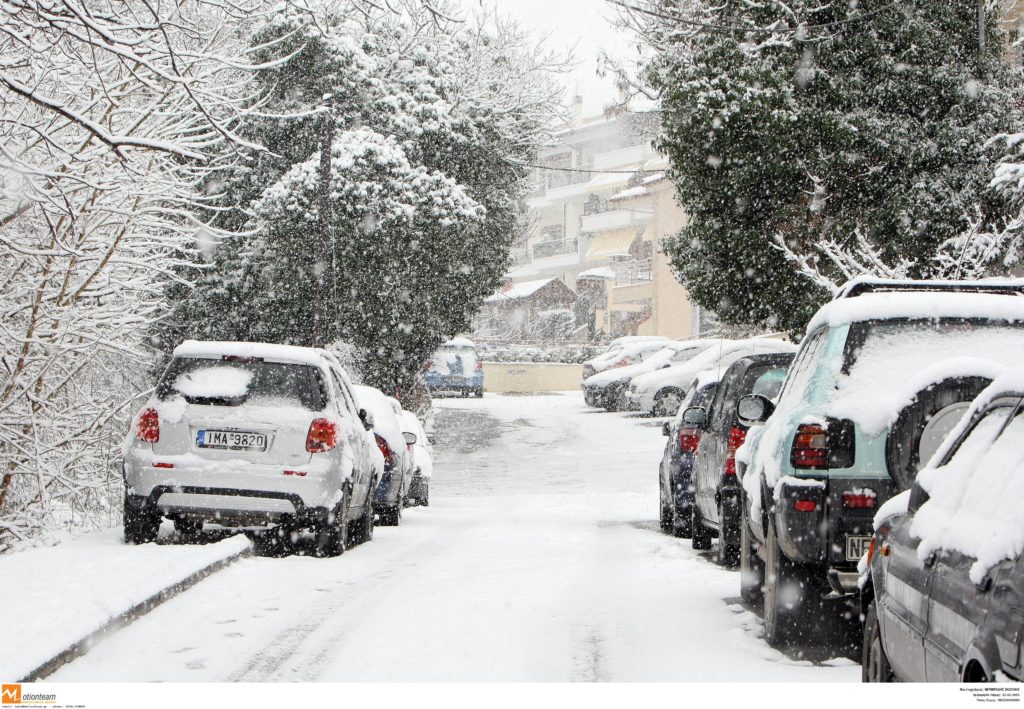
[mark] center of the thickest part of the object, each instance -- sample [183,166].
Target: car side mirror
[695,417]
[754,409]
[410,438]
[367,418]
[918,496]
[666,429]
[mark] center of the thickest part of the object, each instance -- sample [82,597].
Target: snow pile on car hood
[975,502]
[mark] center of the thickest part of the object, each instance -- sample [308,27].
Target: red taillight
[805,505]
[322,436]
[385,450]
[689,439]
[624,362]
[479,365]
[163,465]
[859,499]
[810,447]
[736,438]
[147,429]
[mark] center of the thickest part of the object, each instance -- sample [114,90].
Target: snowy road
[539,559]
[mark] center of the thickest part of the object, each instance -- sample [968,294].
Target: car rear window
[233,383]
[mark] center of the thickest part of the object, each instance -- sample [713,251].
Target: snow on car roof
[458,342]
[267,351]
[385,421]
[918,305]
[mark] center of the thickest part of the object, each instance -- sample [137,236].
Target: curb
[85,644]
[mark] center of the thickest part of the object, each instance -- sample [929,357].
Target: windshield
[233,383]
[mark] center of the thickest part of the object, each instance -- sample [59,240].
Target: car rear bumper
[439,382]
[228,506]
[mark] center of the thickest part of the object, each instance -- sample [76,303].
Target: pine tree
[825,140]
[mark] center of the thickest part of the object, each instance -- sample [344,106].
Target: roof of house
[523,290]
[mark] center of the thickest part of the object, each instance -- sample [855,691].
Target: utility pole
[322,261]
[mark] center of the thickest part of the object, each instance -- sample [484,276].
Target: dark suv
[716,489]
[944,598]
[885,371]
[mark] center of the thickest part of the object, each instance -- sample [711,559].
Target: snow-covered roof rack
[995,286]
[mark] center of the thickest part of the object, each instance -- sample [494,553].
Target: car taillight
[385,450]
[322,436]
[479,365]
[859,499]
[624,362]
[810,447]
[829,446]
[805,505]
[689,439]
[147,429]
[736,438]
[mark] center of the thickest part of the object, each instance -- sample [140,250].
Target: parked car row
[654,376]
[244,435]
[806,468]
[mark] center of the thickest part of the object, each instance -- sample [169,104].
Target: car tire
[902,448]
[362,527]
[425,500]
[141,524]
[682,523]
[188,529]
[391,516]
[728,554]
[700,536]
[665,516]
[667,402]
[751,566]
[786,588]
[480,393]
[874,662]
[332,534]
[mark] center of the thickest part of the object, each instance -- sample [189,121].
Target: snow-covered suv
[239,434]
[885,371]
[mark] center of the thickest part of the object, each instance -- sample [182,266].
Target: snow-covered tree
[810,141]
[430,123]
[111,112]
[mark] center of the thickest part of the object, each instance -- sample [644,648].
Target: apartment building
[595,221]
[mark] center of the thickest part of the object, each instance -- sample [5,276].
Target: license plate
[856,547]
[232,440]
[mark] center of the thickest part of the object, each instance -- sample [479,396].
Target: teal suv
[884,373]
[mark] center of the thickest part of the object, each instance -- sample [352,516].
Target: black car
[674,479]
[716,512]
[940,614]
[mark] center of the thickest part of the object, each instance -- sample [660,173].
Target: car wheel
[665,516]
[700,538]
[787,587]
[425,500]
[874,662]
[728,554]
[751,567]
[391,516]
[189,529]
[332,534]
[480,393]
[141,524]
[924,423]
[667,402]
[682,523]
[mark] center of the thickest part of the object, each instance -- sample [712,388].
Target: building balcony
[615,219]
[544,249]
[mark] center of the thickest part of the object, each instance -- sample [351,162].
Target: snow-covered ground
[538,559]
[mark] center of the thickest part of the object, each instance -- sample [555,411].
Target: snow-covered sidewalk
[54,597]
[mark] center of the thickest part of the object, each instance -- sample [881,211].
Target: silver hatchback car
[242,434]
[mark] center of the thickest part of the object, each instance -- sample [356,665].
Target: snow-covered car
[607,389]
[716,488]
[615,350]
[675,488]
[422,462]
[943,592]
[885,371]
[626,356]
[660,392]
[239,434]
[456,368]
[395,442]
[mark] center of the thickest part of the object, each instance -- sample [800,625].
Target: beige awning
[610,243]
